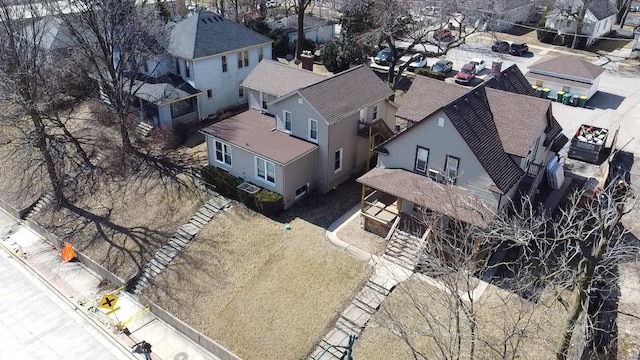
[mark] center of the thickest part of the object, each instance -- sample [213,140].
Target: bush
[268,202]
[430,73]
[248,199]
[306,44]
[225,184]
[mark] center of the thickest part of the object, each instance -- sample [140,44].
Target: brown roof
[345,93]
[518,119]
[279,79]
[256,133]
[426,96]
[451,200]
[569,65]
[570,83]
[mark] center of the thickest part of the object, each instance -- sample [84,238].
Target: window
[178,67]
[223,153]
[313,130]
[240,90]
[265,170]
[301,191]
[451,168]
[243,59]
[337,161]
[224,63]
[422,158]
[287,120]
[183,107]
[209,93]
[260,54]
[374,115]
[264,105]
[187,70]
[363,115]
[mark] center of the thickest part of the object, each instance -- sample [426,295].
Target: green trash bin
[559,96]
[566,98]
[545,93]
[582,101]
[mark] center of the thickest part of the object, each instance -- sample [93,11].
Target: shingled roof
[512,80]
[569,65]
[602,9]
[345,93]
[279,79]
[472,117]
[426,96]
[205,34]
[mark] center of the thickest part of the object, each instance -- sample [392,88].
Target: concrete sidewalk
[78,288]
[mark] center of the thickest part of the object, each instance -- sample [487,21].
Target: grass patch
[260,290]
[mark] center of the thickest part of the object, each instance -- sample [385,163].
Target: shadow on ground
[604,100]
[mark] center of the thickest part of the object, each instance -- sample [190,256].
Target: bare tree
[442,27]
[300,6]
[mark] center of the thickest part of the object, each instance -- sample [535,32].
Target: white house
[316,29]
[598,20]
[566,73]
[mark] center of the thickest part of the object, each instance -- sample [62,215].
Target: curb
[331,234]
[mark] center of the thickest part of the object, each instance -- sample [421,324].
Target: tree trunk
[300,33]
[580,23]
[579,298]
[124,133]
[41,143]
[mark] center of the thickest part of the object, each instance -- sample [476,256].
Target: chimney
[306,60]
[496,67]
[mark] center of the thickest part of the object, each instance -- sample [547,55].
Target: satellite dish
[289,57]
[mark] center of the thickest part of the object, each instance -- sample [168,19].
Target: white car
[416,61]
[479,63]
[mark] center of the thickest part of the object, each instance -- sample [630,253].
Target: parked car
[467,73]
[443,66]
[383,57]
[479,63]
[500,46]
[417,61]
[518,48]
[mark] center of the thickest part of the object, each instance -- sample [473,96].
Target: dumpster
[545,93]
[582,101]
[559,96]
[574,100]
[588,144]
[566,98]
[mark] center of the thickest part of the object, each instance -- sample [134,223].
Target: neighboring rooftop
[346,93]
[426,96]
[602,9]
[279,79]
[512,80]
[290,23]
[451,200]
[164,90]
[570,65]
[256,133]
[206,33]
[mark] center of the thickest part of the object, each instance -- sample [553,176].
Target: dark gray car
[443,66]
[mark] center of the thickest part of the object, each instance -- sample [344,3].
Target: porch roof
[164,90]
[450,200]
[256,133]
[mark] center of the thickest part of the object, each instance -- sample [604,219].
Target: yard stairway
[352,320]
[404,248]
[143,129]
[42,202]
[179,240]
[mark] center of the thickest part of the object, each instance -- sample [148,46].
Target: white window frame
[225,151]
[241,91]
[224,63]
[209,93]
[374,112]
[448,168]
[187,69]
[340,151]
[260,54]
[416,168]
[284,121]
[311,121]
[306,190]
[240,62]
[265,168]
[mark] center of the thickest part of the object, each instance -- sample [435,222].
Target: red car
[467,73]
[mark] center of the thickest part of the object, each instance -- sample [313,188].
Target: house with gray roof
[317,132]
[599,18]
[211,56]
[567,73]
[480,148]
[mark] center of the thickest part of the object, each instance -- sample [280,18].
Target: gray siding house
[314,137]
[472,145]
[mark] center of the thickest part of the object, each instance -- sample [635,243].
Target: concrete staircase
[42,202]
[404,248]
[352,320]
[143,129]
[179,240]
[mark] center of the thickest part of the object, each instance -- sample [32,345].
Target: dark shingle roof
[254,132]
[279,79]
[602,9]
[512,80]
[164,90]
[205,34]
[425,96]
[568,65]
[472,117]
[345,93]
[451,200]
